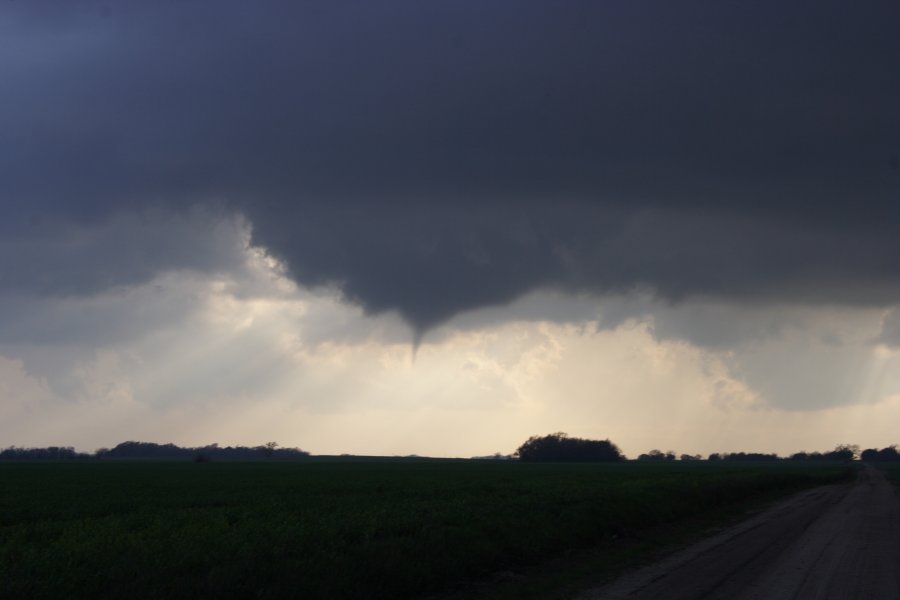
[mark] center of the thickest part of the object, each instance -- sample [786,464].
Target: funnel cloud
[435,158]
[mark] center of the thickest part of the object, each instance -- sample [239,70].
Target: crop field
[332,528]
[892,470]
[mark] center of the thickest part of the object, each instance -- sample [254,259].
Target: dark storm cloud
[58,258]
[431,157]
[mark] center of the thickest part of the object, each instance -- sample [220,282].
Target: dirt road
[833,542]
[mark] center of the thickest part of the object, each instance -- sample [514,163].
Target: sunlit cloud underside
[244,356]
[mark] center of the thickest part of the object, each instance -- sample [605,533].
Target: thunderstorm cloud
[436,157]
[661,222]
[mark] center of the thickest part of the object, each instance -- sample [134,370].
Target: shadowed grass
[333,529]
[891,470]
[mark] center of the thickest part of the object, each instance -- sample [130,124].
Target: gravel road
[834,542]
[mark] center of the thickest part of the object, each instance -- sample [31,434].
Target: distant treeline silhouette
[884,455]
[149,450]
[840,453]
[211,452]
[658,455]
[745,456]
[559,447]
[556,447]
[49,453]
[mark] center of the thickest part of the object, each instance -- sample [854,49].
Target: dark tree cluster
[559,447]
[149,450]
[842,453]
[743,456]
[657,455]
[49,453]
[888,454]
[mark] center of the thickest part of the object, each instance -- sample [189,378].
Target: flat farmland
[339,528]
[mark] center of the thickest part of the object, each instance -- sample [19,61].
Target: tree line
[49,453]
[559,447]
[150,450]
[555,447]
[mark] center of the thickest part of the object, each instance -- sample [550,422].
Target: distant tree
[843,452]
[715,456]
[690,457]
[268,449]
[888,454]
[559,447]
[657,455]
[869,455]
[854,448]
[749,456]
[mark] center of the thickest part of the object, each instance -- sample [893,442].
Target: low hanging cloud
[435,158]
[433,267]
[53,257]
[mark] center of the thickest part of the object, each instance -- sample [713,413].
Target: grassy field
[891,470]
[335,529]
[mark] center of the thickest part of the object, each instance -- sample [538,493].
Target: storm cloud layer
[435,157]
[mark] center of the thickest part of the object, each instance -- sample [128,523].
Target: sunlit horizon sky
[441,228]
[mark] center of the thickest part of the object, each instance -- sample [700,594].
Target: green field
[336,529]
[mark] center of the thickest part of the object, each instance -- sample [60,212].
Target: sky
[439,228]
